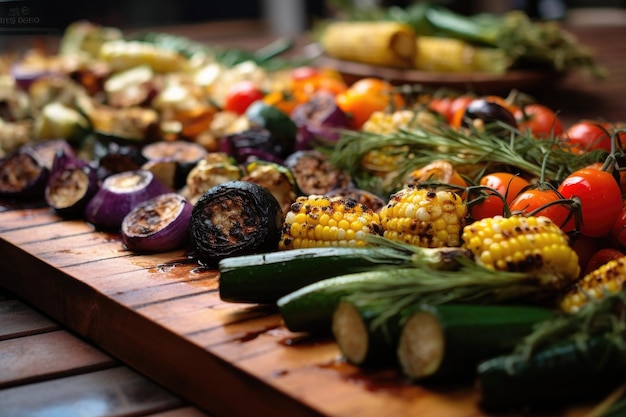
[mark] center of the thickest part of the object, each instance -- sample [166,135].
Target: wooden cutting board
[161,314]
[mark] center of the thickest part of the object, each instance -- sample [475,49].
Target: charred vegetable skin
[71,185]
[159,224]
[24,173]
[118,195]
[233,219]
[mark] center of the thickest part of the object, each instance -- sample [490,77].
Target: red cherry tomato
[505,183]
[532,200]
[588,135]
[601,257]
[539,120]
[600,197]
[240,95]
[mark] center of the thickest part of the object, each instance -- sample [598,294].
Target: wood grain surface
[46,370]
[161,314]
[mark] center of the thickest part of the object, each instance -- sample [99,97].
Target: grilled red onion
[318,119]
[119,194]
[72,183]
[24,173]
[159,224]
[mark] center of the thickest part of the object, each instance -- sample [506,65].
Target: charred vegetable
[72,183]
[253,144]
[24,173]
[318,119]
[315,173]
[233,219]
[367,198]
[182,156]
[118,195]
[159,224]
[212,170]
[276,178]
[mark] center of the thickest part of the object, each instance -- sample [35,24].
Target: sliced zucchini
[360,341]
[264,278]
[574,370]
[447,341]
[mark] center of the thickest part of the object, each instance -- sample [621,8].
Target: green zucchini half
[447,341]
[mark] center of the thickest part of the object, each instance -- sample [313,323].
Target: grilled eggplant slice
[233,219]
[315,174]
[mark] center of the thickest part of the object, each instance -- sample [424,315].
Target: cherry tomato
[601,257]
[505,183]
[533,199]
[588,135]
[600,197]
[451,108]
[240,95]
[539,120]
[366,96]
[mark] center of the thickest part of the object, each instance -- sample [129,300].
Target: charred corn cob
[438,54]
[381,43]
[318,221]
[424,217]
[523,244]
[609,278]
[122,55]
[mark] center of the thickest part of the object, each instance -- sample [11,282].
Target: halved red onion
[24,172]
[71,185]
[119,194]
[318,120]
[159,224]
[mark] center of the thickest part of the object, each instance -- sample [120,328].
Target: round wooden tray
[479,82]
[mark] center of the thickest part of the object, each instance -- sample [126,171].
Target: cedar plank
[111,392]
[47,356]
[17,319]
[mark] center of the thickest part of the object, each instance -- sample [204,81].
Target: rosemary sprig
[461,148]
[470,283]
[605,316]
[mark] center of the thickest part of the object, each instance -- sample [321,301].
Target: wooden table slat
[115,392]
[47,356]
[16,319]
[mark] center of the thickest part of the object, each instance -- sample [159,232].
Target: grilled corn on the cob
[424,217]
[524,244]
[381,43]
[450,55]
[318,221]
[609,278]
